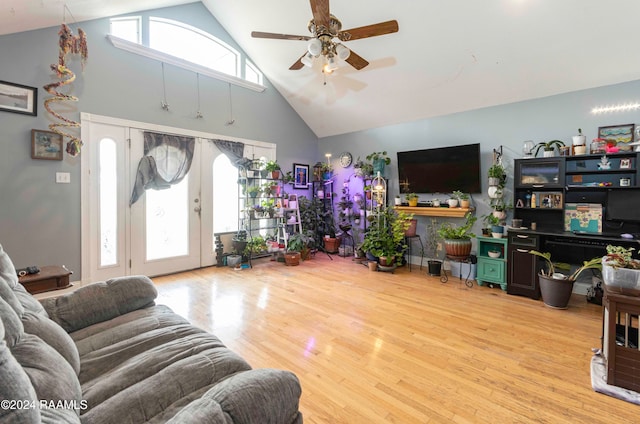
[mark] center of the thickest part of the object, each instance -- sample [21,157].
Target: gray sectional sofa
[107,353]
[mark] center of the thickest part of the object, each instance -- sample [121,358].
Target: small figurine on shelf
[604,163]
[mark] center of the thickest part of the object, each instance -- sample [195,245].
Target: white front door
[165,231]
[165,224]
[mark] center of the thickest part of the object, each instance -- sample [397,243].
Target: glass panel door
[165,224]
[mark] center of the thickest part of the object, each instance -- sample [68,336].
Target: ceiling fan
[324,27]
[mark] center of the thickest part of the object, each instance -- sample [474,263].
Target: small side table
[52,277]
[492,270]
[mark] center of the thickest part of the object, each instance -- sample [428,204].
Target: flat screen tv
[440,170]
[623,204]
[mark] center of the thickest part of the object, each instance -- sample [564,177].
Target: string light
[617,108]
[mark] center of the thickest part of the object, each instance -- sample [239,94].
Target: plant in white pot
[548,147]
[555,287]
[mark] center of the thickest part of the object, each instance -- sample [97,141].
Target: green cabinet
[492,262]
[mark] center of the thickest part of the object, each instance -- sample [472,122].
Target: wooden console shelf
[49,278]
[435,211]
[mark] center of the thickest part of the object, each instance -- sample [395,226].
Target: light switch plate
[63,177]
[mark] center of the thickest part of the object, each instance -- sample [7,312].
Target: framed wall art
[622,134]
[46,145]
[625,163]
[18,98]
[301,175]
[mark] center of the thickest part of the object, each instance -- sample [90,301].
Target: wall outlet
[63,177]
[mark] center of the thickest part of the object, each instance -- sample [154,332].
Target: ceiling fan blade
[297,65]
[381,28]
[356,60]
[320,10]
[258,34]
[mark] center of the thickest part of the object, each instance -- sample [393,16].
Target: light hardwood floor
[372,347]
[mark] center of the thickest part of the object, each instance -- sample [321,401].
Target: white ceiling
[448,56]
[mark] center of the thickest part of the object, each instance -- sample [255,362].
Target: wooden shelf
[435,211]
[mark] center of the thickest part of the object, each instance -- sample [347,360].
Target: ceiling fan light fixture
[314,47]
[342,51]
[332,64]
[307,60]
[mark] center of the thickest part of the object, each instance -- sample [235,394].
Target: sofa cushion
[8,281]
[52,334]
[15,386]
[13,328]
[99,302]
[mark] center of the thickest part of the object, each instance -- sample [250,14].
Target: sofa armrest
[100,302]
[259,396]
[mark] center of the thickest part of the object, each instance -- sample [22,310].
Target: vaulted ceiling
[448,56]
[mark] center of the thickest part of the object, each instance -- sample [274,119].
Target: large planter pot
[292,258]
[331,244]
[555,292]
[434,267]
[457,249]
[411,231]
[385,261]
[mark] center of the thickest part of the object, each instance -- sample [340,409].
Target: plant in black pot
[239,243]
[457,238]
[433,241]
[555,287]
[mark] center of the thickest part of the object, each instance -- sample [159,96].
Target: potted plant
[384,238]
[548,147]
[497,175]
[257,245]
[288,177]
[555,287]
[621,272]
[239,242]
[463,198]
[363,169]
[253,191]
[379,160]
[397,200]
[300,243]
[327,171]
[412,199]
[457,238]
[273,167]
[434,264]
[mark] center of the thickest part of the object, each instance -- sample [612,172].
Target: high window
[187,43]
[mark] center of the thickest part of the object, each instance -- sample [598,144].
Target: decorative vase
[555,292]
[457,249]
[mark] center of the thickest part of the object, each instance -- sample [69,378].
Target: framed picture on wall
[625,163]
[18,98]
[46,145]
[301,175]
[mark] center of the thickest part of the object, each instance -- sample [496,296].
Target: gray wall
[40,220]
[544,119]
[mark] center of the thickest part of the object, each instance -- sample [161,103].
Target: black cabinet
[522,277]
[541,173]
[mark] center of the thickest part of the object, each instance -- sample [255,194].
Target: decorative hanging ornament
[75,44]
